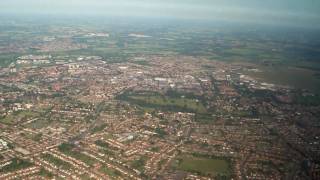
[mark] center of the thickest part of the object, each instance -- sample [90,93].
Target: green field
[98,128]
[203,165]
[7,58]
[35,137]
[17,116]
[101,144]
[139,163]
[46,174]
[113,173]
[38,124]
[150,101]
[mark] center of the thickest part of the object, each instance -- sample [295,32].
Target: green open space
[101,144]
[18,116]
[139,163]
[98,128]
[308,100]
[141,62]
[110,172]
[204,118]
[7,58]
[150,101]
[46,174]
[38,124]
[35,137]
[203,165]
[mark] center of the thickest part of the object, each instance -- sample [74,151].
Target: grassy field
[109,172]
[98,128]
[17,116]
[101,144]
[203,165]
[38,124]
[7,58]
[152,101]
[46,174]
[35,137]
[139,163]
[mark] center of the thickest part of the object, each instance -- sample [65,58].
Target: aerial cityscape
[157,98]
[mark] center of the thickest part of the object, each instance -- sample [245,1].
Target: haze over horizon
[284,12]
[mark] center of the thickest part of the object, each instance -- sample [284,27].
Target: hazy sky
[296,12]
